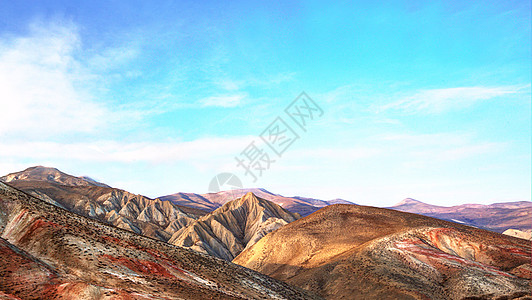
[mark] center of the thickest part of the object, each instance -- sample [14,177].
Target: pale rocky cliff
[233,227]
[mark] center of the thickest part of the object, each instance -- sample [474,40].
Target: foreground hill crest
[377,253]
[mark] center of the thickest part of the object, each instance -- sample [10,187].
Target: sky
[423,99]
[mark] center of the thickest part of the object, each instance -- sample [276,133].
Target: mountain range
[498,217]
[62,235]
[48,252]
[126,210]
[223,233]
[211,201]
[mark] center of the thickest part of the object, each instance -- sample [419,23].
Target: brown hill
[359,252]
[152,218]
[238,224]
[497,217]
[211,201]
[48,252]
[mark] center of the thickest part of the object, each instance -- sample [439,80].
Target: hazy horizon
[423,100]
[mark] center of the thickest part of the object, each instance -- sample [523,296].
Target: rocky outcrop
[230,229]
[527,234]
[47,252]
[375,253]
[150,217]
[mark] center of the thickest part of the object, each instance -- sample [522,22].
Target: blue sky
[422,99]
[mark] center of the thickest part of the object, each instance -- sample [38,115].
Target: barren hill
[48,252]
[359,252]
[231,228]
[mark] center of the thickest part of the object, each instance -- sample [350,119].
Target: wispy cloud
[442,100]
[427,150]
[223,101]
[200,150]
[38,74]
[114,57]
[51,86]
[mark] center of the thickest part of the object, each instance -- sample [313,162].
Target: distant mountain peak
[211,201]
[253,203]
[50,174]
[407,201]
[250,197]
[41,168]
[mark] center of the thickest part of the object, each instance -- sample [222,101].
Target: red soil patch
[427,253]
[140,266]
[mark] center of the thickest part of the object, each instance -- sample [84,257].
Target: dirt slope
[359,252]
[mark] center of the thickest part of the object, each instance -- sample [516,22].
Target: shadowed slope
[350,251]
[49,252]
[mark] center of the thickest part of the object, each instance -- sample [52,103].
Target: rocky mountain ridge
[150,217]
[236,225]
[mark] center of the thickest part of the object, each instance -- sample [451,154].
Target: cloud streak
[204,149]
[223,101]
[435,101]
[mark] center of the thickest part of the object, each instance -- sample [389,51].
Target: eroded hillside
[48,252]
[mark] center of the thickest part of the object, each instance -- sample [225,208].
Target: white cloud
[228,84]
[441,100]
[38,77]
[223,101]
[113,57]
[200,150]
[50,86]
[426,152]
